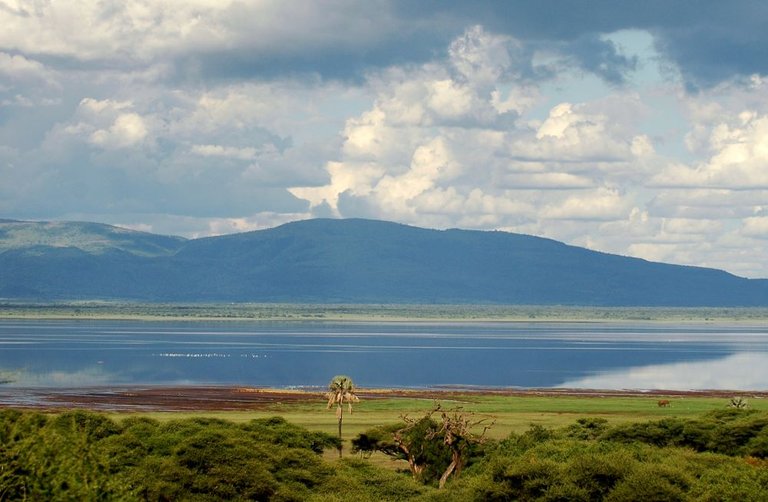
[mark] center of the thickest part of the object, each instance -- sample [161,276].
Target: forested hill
[351,261]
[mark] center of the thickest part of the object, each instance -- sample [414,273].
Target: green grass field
[509,413]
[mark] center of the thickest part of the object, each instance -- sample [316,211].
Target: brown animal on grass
[663,403]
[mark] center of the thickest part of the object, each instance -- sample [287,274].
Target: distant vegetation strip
[373,312]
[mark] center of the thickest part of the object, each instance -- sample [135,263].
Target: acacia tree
[434,449]
[341,390]
[455,433]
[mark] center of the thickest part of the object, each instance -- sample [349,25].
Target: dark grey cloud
[709,40]
[602,58]
[348,60]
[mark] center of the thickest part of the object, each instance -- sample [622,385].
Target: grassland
[509,413]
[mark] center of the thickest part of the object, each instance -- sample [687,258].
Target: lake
[612,355]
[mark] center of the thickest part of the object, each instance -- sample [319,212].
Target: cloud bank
[637,129]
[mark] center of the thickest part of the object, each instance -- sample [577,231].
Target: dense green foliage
[81,455]
[532,467]
[86,456]
[731,432]
[591,460]
[355,261]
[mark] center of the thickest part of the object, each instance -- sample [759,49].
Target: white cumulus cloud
[211,116]
[739,156]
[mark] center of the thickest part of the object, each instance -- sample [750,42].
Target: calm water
[591,355]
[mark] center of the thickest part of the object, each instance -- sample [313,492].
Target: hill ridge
[86,236]
[353,261]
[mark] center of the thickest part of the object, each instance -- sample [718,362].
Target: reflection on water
[591,355]
[84,377]
[747,371]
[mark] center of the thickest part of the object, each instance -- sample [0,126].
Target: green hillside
[351,261]
[92,238]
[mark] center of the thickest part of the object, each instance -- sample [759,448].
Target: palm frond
[341,390]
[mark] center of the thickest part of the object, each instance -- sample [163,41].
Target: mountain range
[345,261]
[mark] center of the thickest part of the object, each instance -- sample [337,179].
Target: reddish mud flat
[249,398]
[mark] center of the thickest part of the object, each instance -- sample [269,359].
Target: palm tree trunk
[341,413]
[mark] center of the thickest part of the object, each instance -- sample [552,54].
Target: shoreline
[364,313]
[237,398]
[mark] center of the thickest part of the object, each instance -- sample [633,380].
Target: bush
[731,432]
[358,480]
[568,469]
[650,483]
[277,430]
[587,428]
[86,456]
[599,473]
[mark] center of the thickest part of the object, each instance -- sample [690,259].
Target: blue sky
[637,128]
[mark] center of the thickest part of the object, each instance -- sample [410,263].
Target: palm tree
[341,390]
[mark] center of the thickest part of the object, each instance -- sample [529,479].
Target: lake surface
[385,354]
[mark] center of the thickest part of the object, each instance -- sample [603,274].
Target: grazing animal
[663,403]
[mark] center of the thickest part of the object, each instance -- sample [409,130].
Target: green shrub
[597,474]
[727,479]
[651,483]
[86,456]
[89,425]
[757,445]
[587,428]
[277,430]
[379,484]
[667,432]
[730,431]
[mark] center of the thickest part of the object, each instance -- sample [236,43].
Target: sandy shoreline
[215,398]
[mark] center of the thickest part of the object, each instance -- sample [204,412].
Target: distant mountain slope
[365,261]
[92,238]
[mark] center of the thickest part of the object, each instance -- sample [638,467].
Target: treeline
[82,455]
[324,311]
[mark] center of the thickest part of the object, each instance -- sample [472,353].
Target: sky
[638,128]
